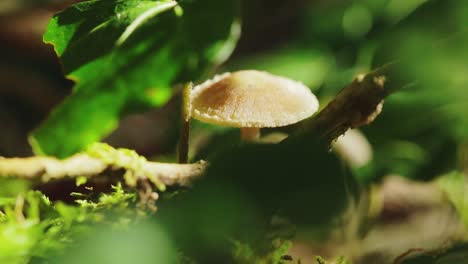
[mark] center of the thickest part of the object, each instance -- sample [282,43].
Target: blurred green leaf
[357,21]
[247,186]
[139,243]
[435,59]
[125,53]
[218,212]
[396,10]
[400,157]
[33,228]
[291,179]
[11,187]
[431,113]
[22,231]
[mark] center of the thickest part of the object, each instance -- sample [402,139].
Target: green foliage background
[127,55]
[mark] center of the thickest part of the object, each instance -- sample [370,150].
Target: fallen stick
[45,169]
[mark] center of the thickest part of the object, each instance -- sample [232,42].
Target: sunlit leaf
[122,53]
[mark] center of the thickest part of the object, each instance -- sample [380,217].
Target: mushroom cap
[252,99]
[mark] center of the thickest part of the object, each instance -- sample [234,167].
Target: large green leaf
[126,52]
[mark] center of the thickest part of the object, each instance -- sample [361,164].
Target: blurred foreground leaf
[139,243]
[428,117]
[122,53]
[33,229]
[254,195]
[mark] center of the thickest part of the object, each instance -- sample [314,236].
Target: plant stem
[185,124]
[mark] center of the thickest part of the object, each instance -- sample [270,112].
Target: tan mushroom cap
[252,99]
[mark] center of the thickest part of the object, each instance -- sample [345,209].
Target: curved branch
[356,105]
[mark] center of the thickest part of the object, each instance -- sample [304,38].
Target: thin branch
[356,105]
[45,169]
[400,258]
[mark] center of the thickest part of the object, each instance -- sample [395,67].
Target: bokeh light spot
[357,21]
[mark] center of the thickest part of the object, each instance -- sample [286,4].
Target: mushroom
[251,100]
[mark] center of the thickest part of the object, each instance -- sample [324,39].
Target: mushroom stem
[250,134]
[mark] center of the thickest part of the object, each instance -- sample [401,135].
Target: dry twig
[44,169]
[356,105]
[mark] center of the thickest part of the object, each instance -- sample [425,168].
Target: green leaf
[127,53]
[139,243]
